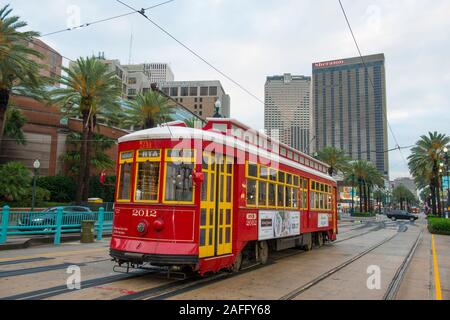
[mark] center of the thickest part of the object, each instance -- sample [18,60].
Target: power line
[371,82]
[142,12]
[84,25]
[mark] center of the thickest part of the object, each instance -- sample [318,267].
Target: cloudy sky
[251,39]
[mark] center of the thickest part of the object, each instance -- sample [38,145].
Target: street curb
[35,242]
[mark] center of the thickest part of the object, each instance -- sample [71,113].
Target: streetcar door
[216,208]
[208,207]
[225,206]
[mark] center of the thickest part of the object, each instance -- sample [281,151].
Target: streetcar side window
[125,181]
[125,174]
[251,192]
[178,177]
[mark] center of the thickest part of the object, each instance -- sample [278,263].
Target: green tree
[90,91]
[424,164]
[335,158]
[366,177]
[403,196]
[190,123]
[147,110]
[18,73]
[99,159]
[15,120]
[15,180]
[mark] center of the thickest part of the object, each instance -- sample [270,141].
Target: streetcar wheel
[309,244]
[319,239]
[263,252]
[394,219]
[237,263]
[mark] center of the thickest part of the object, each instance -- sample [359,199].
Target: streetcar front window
[147,184]
[179,187]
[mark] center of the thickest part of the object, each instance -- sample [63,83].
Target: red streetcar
[208,199]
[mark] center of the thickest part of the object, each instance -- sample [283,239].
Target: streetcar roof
[179,133]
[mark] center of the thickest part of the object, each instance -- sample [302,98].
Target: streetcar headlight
[142,228]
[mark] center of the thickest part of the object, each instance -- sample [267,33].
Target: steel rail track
[295,293]
[58,290]
[394,286]
[160,292]
[183,286]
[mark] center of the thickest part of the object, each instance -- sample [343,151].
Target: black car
[401,215]
[71,215]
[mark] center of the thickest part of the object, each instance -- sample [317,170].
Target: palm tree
[90,91]
[403,196]
[424,164]
[335,158]
[148,110]
[15,120]
[367,177]
[191,123]
[99,160]
[18,73]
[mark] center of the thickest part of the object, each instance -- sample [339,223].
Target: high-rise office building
[199,96]
[287,110]
[155,72]
[349,108]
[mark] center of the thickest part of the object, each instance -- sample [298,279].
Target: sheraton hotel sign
[329,63]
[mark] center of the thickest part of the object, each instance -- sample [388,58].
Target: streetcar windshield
[178,182]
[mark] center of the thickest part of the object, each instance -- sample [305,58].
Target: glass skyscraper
[287,110]
[349,108]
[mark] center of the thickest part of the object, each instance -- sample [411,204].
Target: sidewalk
[420,279]
[23,242]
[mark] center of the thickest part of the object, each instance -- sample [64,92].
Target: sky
[251,39]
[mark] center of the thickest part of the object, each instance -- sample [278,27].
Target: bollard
[59,218]
[101,219]
[5,222]
[87,231]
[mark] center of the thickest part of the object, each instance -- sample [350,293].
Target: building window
[213,91]
[184,91]
[174,92]
[203,92]
[193,91]
[131,92]
[165,90]
[132,80]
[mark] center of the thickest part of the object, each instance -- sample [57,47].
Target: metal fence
[52,223]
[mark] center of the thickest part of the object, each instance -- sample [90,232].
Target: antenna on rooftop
[131,48]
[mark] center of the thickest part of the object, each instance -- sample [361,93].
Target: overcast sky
[251,39]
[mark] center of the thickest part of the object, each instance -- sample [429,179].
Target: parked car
[401,215]
[71,215]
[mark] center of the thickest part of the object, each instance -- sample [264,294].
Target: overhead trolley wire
[142,12]
[84,25]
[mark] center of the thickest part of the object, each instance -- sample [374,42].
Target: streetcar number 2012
[144,213]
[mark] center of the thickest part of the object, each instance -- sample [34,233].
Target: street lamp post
[36,166]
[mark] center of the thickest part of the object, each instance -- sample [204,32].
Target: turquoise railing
[51,223]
